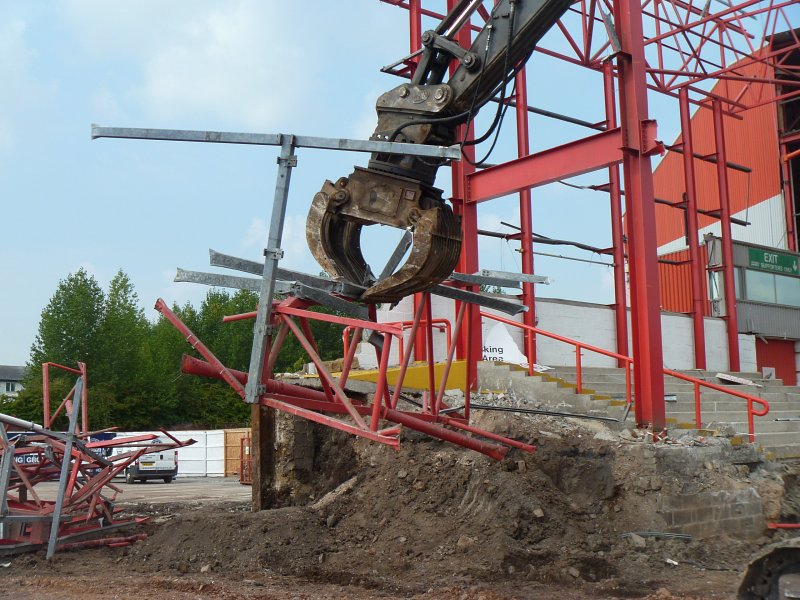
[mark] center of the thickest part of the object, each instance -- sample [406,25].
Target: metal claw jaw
[370,197]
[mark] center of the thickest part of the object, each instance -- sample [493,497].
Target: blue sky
[310,68]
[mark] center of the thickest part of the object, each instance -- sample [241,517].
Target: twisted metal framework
[82,508]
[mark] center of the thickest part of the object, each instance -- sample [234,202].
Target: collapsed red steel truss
[364,417]
[678,48]
[32,457]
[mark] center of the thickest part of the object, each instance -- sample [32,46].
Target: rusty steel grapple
[340,210]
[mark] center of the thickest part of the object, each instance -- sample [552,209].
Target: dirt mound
[407,519]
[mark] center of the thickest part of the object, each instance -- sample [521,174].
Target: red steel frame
[668,46]
[727,241]
[442,325]
[48,417]
[364,418]
[692,233]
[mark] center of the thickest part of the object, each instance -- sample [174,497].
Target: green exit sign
[776,262]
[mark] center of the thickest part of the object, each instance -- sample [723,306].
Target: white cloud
[365,121]
[180,293]
[225,64]
[105,107]
[14,53]
[494,221]
[15,57]
[232,65]
[296,254]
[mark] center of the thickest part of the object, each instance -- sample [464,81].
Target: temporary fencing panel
[205,458]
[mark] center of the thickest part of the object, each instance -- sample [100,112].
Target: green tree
[70,324]
[68,333]
[134,365]
[124,332]
[170,391]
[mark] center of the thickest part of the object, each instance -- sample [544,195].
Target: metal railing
[751,400]
[441,325]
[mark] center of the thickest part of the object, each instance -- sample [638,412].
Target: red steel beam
[727,242]
[789,200]
[617,236]
[695,264]
[415,42]
[195,343]
[575,158]
[640,206]
[526,221]
[469,344]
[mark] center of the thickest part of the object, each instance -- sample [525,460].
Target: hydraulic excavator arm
[397,190]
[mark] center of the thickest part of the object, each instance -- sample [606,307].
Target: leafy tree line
[134,377]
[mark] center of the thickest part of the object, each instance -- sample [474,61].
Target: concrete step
[533,392]
[762,426]
[618,375]
[727,416]
[782,451]
[686,390]
[778,438]
[734,405]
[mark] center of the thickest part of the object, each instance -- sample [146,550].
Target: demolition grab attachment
[396,189]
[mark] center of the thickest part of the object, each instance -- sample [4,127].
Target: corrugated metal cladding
[768,320]
[751,142]
[675,284]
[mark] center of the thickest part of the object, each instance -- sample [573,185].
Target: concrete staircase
[604,395]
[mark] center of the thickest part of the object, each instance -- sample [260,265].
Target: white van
[162,464]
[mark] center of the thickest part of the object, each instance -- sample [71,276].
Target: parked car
[155,465]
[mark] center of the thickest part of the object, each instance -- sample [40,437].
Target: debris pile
[580,512]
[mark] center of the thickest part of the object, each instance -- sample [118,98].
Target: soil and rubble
[577,519]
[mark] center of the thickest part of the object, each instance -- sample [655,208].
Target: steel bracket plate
[649,144]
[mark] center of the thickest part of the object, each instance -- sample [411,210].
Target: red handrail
[698,383]
[440,324]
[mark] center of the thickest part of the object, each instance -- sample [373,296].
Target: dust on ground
[430,521]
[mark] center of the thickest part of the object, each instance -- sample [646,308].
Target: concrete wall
[739,513]
[589,323]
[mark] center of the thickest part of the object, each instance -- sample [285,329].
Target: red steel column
[415,43]
[415,27]
[640,205]
[727,242]
[84,399]
[788,198]
[692,227]
[470,336]
[525,219]
[617,238]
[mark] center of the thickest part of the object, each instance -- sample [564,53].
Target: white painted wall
[206,458]
[592,324]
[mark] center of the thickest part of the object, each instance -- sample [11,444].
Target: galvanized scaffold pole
[66,463]
[262,422]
